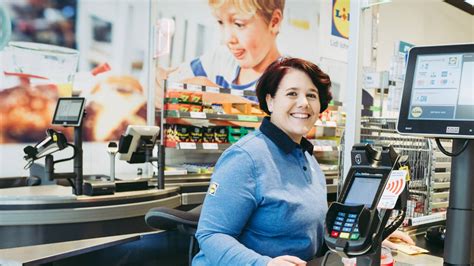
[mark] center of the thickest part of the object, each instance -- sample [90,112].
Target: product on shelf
[208,134]
[195,134]
[220,134]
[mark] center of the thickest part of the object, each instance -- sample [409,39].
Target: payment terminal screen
[362,191]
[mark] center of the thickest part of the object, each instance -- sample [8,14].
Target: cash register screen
[362,191]
[69,111]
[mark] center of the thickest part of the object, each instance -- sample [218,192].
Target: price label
[210,146]
[194,87]
[249,118]
[237,92]
[326,148]
[176,85]
[212,89]
[187,145]
[199,115]
[331,124]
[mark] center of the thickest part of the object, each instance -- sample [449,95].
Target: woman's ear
[275,21]
[269,101]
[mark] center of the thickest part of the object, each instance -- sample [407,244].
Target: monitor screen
[69,111]
[132,145]
[362,191]
[438,95]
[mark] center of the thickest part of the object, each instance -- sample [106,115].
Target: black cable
[453,154]
[67,159]
[325,258]
[71,183]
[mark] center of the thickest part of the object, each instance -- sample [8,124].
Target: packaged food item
[195,108]
[218,109]
[220,134]
[185,96]
[196,98]
[195,134]
[183,134]
[208,134]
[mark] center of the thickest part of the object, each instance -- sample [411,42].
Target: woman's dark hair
[271,78]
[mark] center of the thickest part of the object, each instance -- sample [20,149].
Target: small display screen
[69,111]
[362,191]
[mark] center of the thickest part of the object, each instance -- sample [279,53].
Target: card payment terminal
[355,225]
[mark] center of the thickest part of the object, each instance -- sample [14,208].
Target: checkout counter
[46,214]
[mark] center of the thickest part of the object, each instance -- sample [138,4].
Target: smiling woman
[268,183]
[293,92]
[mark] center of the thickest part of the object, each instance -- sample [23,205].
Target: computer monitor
[137,141]
[69,111]
[438,94]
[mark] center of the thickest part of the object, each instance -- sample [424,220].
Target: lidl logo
[340,18]
[213,188]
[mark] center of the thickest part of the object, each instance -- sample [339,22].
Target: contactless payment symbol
[396,184]
[340,18]
[213,188]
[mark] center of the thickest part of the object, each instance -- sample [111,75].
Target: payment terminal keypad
[345,226]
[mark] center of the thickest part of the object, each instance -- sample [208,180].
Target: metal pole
[353,98]
[78,159]
[459,245]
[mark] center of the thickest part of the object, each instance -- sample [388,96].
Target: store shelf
[440,185]
[202,88]
[209,116]
[197,146]
[437,205]
[440,195]
[442,165]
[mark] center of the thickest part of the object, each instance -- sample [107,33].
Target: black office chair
[186,222]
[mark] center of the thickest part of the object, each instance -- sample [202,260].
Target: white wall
[420,22]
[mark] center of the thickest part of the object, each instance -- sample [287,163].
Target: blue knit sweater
[267,198]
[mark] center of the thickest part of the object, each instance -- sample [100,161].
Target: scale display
[69,111]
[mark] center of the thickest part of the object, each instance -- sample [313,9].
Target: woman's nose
[302,101]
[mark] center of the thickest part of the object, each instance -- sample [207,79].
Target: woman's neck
[247,75]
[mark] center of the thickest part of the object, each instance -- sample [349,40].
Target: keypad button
[346,229]
[341,214]
[352,215]
[349,225]
[337,228]
[338,223]
[344,235]
[334,234]
[350,220]
[354,236]
[340,219]
[356,230]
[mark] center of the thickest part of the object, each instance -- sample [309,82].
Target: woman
[267,199]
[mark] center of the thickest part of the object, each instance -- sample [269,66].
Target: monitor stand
[459,242]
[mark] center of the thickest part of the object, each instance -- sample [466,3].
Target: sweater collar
[281,139]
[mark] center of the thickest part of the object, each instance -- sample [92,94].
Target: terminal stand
[459,245]
[78,170]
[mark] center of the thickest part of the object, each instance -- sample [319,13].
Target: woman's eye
[291,94]
[220,22]
[239,25]
[313,96]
